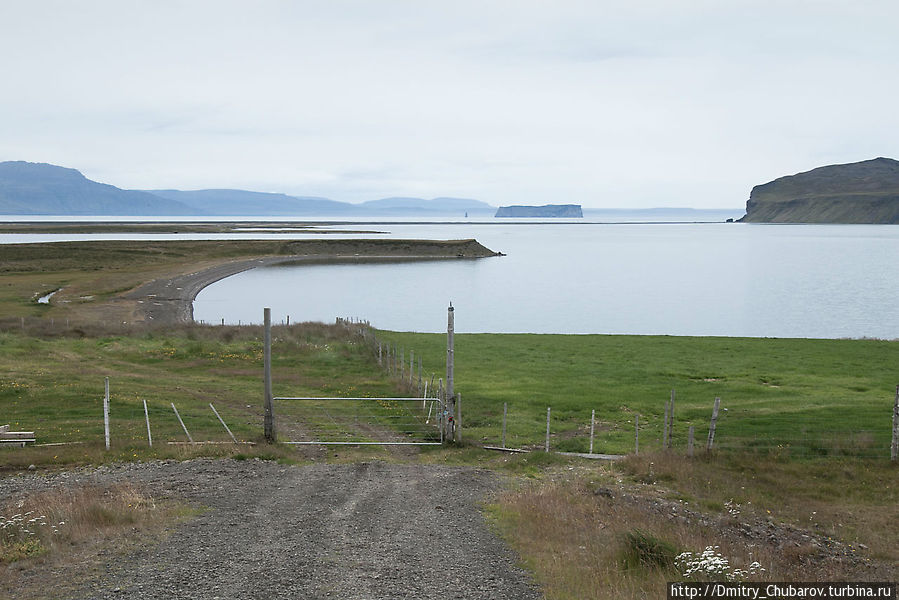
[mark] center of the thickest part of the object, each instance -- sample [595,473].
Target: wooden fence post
[106,411]
[450,367]
[269,418]
[671,421]
[690,434]
[894,448]
[710,443]
[222,421]
[147,415]
[547,429]
[186,432]
[592,428]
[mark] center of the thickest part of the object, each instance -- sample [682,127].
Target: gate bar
[340,398]
[365,443]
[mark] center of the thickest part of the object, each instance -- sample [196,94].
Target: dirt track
[373,531]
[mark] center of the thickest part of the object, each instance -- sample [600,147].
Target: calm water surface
[818,281]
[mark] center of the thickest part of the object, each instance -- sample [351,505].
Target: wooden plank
[14,442]
[593,456]
[16,435]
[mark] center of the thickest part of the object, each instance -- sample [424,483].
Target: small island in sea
[861,192]
[565,211]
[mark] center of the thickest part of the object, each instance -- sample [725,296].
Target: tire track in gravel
[358,531]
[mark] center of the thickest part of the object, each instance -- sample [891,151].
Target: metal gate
[359,421]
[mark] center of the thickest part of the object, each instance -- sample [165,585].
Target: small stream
[46,299]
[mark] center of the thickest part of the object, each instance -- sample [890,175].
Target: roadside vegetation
[622,530]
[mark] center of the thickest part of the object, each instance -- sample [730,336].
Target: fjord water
[813,281]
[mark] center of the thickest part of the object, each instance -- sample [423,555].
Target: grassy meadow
[54,386]
[779,396]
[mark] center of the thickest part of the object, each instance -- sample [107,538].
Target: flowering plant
[711,564]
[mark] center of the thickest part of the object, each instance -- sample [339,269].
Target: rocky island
[861,192]
[564,211]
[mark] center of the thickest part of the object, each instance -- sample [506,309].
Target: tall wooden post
[894,448]
[269,419]
[106,411]
[710,443]
[450,367]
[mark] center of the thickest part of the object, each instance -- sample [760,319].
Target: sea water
[719,279]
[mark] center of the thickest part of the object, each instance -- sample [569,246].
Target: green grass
[783,396]
[799,398]
[55,386]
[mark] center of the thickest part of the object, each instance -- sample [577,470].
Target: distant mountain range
[43,189]
[861,192]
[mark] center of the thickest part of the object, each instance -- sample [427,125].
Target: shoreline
[169,301]
[155,282]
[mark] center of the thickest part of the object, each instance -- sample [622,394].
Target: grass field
[796,398]
[55,385]
[782,396]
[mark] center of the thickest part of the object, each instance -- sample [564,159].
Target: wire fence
[331,421]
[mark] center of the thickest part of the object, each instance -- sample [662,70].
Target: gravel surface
[170,301]
[368,530]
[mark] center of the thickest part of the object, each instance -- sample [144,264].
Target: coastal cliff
[862,192]
[565,211]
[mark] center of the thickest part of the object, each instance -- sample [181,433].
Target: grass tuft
[642,550]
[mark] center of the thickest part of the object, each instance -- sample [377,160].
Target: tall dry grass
[51,521]
[610,532]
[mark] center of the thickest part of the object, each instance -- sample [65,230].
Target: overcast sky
[606,104]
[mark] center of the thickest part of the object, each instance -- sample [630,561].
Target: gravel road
[368,530]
